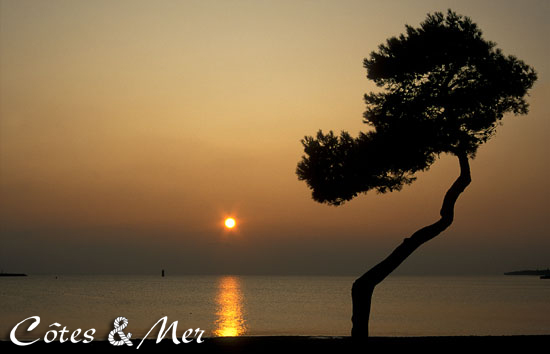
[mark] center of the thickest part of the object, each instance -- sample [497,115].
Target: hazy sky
[130,129]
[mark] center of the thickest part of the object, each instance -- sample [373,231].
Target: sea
[274,305]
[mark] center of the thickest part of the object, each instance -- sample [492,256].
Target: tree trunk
[363,287]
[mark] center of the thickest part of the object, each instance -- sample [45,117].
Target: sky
[130,129]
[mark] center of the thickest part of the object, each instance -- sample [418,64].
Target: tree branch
[379,272]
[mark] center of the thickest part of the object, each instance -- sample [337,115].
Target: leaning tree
[444,90]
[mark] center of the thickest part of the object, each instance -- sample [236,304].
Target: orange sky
[141,125]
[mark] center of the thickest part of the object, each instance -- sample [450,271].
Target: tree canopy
[444,89]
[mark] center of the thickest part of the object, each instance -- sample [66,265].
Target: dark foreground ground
[306,345]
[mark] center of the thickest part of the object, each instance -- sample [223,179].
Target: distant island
[2,274]
[530,272]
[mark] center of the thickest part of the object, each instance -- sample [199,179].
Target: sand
[304,344]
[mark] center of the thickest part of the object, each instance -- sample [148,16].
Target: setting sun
[230,223]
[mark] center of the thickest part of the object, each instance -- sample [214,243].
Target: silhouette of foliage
[444,89]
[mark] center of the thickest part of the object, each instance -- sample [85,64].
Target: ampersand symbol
[118,329]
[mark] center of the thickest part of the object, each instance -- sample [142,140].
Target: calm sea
[262,305]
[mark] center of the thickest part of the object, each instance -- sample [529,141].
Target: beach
[280,344]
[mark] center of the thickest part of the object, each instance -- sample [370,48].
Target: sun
[230,223]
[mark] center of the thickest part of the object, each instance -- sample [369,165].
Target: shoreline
[277,344]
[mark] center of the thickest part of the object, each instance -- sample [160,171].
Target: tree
[444,90]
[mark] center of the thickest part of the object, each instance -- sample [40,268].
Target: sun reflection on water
[230,321]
